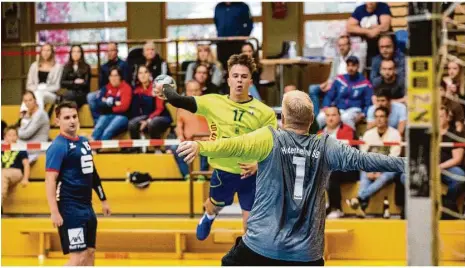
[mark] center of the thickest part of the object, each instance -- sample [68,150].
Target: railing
[23,46]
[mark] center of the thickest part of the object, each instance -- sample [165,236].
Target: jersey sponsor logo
[76,238]
[87,163]
[213,129]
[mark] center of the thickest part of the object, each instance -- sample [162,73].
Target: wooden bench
[180,236]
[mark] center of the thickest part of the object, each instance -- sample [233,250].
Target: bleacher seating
[161,197]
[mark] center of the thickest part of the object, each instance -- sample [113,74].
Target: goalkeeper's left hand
[189,149]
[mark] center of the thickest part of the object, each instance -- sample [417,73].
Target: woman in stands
[113,101]
[44,76]
[247,48]
[205,56]
[455,81]
[34,125]
[148,113]
[15,164]
[76,77]
[202,76]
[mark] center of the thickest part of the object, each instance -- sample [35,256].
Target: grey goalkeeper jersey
[287,220]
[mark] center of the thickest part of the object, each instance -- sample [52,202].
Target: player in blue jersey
[69,178]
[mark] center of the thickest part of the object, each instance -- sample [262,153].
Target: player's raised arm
[256,145]
[164,90]
[342,157]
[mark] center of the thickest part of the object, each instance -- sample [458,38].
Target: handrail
[129,42]
[138,41]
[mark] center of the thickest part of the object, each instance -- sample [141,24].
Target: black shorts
[79,229]
[241,255]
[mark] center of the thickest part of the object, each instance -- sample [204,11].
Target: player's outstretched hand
[189,149]
[57,220]
[106,208]
[248,169]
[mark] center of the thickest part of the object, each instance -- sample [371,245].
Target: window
[323,24]
[195,20]
[81,22]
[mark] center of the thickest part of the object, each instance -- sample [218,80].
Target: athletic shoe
[335,214]
[354,203]
[204,227]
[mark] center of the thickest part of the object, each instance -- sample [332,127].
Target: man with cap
[351,93]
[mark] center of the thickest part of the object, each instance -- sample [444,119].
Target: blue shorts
[223,186]
[79,229]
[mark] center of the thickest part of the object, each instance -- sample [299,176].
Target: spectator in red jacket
[148,113]
[114,100]
[338,130]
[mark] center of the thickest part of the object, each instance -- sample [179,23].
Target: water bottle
[292,52]
[386,213]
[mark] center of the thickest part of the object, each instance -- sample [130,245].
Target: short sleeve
[23,155]
[205,102]
[370,114]
[54,157]
[402,112]
[383,9]
[358,13]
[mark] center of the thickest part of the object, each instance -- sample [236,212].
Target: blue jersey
[72,159]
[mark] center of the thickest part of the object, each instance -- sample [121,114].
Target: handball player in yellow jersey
[228,116]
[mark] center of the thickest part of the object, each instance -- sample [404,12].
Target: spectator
[397,111]
[154,62]
[76,77]
[448,99]
[114,100]
[369,21]
[455,81]
[44,76]
[388,51]
[338,67]
[188,125]
[231,19]
[389,79]
[248,49]
[372,182]
[205,56]
[147,112]
[15,165]
[113,60]
[202,76]
[336,129]
[351,93]
[451,161]
[35,124]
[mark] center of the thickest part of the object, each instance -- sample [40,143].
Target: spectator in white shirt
[372,182]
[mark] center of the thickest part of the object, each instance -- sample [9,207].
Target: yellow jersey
[227,119]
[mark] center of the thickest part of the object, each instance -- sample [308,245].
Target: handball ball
[165,80]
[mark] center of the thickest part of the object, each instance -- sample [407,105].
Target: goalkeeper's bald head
[297,111]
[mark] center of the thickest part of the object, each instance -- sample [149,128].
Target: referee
[287,221]
[69,178]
